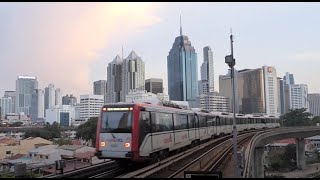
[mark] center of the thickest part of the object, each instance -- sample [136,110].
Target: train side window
[217,121]
[191,121]
[183,121]
[162,122]
[180,122]
[210,121]
[222,121]
[176,122]
[202,121]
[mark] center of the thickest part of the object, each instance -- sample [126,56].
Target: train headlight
[103,144]
[126,144]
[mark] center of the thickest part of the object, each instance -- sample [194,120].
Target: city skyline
[78,41]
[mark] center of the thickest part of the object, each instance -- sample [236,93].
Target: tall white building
[213,102]
[124,75]
[90,106]
[271,90]
[58,97]
[25,86]
[207,71]
[63,114]
[11,94]
[314,103]
[298,96]
[6,105]
[49,97]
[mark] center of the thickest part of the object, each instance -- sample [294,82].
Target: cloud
[57,41]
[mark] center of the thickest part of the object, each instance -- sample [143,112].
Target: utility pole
[231,62]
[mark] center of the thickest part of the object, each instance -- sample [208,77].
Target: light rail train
[142,132]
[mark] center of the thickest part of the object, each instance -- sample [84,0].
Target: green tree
[297,117]
[87,131]
[63,141]
[16,124]
[316,120]
[286,159]
[290,153]
[48,132]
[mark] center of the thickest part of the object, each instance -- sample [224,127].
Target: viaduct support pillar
[300,153]
[258,162]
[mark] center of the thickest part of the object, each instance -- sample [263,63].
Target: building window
[8,152]
[40,156]
[47,157]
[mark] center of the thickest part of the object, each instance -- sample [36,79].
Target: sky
[70,44]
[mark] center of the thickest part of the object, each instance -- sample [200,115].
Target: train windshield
[116,122]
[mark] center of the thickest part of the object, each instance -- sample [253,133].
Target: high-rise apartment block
[90,106]
[12,95]
[124,75]
[25,86]
[314,104]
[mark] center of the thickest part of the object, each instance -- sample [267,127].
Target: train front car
[114,132]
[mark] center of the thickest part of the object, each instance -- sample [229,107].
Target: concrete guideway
[254,167]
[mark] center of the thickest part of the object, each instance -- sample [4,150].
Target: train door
[192,127]
[211,128]
[218,127]
[197,127]
[145,134]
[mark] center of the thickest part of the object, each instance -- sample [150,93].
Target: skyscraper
[25,86]
[49,97]
[124,75]
[114,80]
[133,71]
[90,106]
[154,85]
[314,103]
[207,72]
[225,89]
[58,97]
[69,100]
[11,94]
[288,78]
[182,70]
[100,88]
[281,96]
[271,90]
[256,90]
[6,105]
[298,96]
[37,108]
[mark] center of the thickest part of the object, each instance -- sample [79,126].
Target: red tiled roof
[17,156]
[6,140]
[76,142]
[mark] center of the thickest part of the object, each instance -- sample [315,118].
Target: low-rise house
[11,146]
